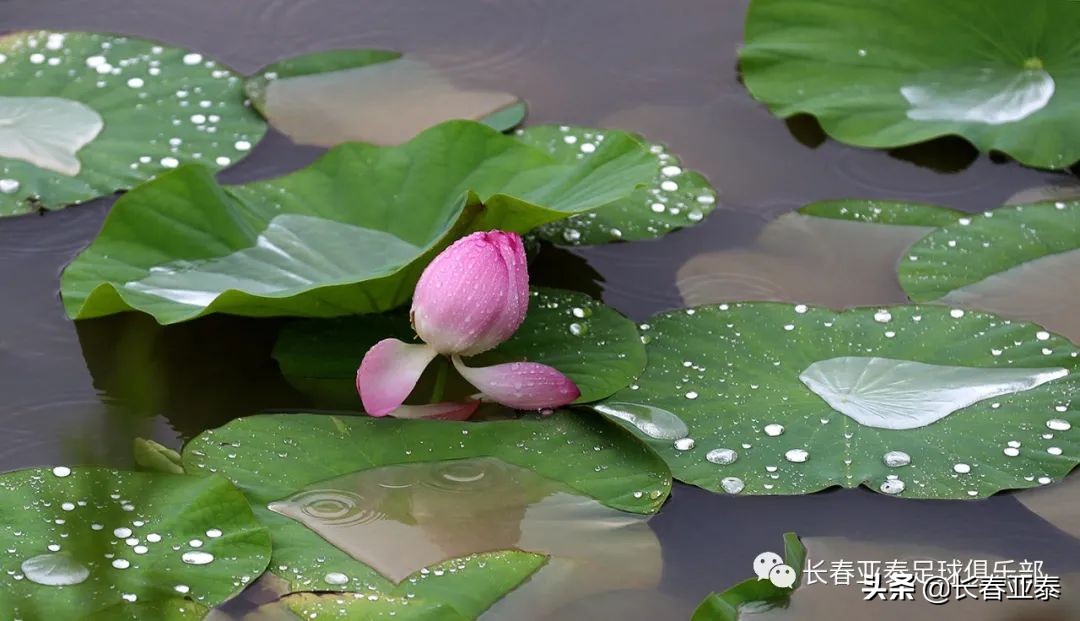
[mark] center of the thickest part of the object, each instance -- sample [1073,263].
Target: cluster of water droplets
[676,198]
[187,106]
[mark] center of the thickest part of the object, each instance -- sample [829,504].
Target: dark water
[79,394]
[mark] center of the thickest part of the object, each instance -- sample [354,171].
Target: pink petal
[474,295]
[521,385]
[447,410]
[388,374]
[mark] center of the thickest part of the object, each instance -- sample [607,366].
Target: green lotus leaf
[674,198]
[896,213]
[920,402]
[458,589]
[596,347]
[358,504]
[887,73]
[1019,261]
[756,593]
[348,234]
[85,114]
[796,257]
[376,96]
[101,544]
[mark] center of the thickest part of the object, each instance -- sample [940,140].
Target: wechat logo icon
[769,566]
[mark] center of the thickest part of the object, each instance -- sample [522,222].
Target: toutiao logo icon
[769,565]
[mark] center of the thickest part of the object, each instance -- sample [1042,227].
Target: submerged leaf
[887,73]
[85,114]
[796,257]
[376,96]
[348,234]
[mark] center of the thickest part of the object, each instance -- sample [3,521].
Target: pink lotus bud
[474,295]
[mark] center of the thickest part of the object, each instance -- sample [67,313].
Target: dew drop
[1011,451]
[54,570]
[213,533]
[892,487]
[774,429]
[722,456]
[61,471]
[796,456]
[1058,424]
[732,485]
[896,459]
[684,444]
[336,578]
[196,557]
[961,468]
[883,316]
[9,186]
[121,563]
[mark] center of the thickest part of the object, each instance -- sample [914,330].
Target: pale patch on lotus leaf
[1036,291]
[991,95]
[47,131]
[904,394]
[796,259]
[385,103]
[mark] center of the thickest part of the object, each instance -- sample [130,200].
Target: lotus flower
[472,297]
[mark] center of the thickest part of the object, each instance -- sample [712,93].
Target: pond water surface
[79,394]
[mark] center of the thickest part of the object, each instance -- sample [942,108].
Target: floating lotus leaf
[334,483]
[91,543]
[887,73]
[1019,261]
[85,114]
[914,401]
[376,96]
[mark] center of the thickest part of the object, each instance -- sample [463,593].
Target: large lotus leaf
[796,257]
[673,199]
[377,96]
[85,114]
[886,73]
[96,543]
[921,402]
[348,234]
[316,469]
[1020,261]
[755,594]
[596,347]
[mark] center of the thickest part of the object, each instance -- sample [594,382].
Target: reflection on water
[798,258]
[827,602]
[1037,291]
[1058,504]
[399,519]
[387,103]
